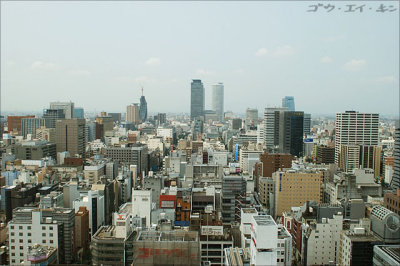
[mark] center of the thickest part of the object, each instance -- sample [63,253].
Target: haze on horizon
[100,54]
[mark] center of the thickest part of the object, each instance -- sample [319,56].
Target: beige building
[48,134]
[296,187]
[132,113]
[71,136]
[265,187]
[93,173]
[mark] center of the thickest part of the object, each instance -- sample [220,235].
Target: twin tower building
[197,100]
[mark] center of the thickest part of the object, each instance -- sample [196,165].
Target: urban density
[222,139]
[210,188]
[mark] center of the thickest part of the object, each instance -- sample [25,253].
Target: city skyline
[349,64]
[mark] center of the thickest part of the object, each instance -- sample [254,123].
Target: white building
[217,100]
[22,235]
[165,132]
[322,240]
[142,205]
[352,128]
[247,156]
[246,215]
[94,203]
[264,240]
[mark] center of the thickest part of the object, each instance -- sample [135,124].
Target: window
[12,247]
[51,234]
[44,241]
[21,247]
[21,234]
[51,241]
[12,226]
[20,227]
[43,234]
[21,241]
[13,254]
[29,227]
[12,233]
[29,241]
[29,234]
[51,227]
[43,227]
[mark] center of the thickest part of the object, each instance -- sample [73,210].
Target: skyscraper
[288,102]
[29,125]
[271,127]
[143,108]
[217,100]
[196,99]
[291,132]
[79,112]
[353,128]
[307,124]
[71,136]
[396,174]
[68,108]
[132,113]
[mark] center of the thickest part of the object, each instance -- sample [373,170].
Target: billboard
[212,230]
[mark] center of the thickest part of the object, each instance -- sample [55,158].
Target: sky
[100,54]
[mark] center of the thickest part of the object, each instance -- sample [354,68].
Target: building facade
[197,99]
[217,100]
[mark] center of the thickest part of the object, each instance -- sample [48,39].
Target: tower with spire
[143,108]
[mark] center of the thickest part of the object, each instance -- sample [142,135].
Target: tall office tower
[161,118]
[271,127]
[52,115]
[15,122]
[132,113]
[396,174]
[353,128]
[251,117]
[30,125]
[236,123]
[288,102]
[291,132]
[68,108]
[196,99]
[217,100]
[90,131]
[307,124]
[134,154]
[71,136]
[143,108]
[105,120]
[79,112]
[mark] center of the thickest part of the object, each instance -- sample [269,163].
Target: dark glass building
[196,99]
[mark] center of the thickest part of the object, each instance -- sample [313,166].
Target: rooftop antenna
[142,90]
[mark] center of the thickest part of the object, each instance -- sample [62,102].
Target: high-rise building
[79,112]
[307,124]
[217,100]
[34,150]
[143,108]
[82,229]
[288,102]
[106,121]
[272,162]
[30,125]
[71,136]
[197,99]
[136,154]
[132,113]
[115,116]
[251,117]
[353,128]
[52,115]
[236,123]
[271,127]
[291,132]
[396,173]
[68,108]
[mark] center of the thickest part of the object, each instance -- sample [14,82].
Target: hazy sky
[100,54]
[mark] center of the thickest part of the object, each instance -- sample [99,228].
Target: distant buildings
[217,100]
[197,99]
[143,108]
[68,108]
[132,114]
[52,115]
[288,102]
[79,112]
[15,122]
[30,125]
[251,117]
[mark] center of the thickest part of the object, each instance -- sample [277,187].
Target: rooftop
[266,220]
[176,236]
[392,250]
